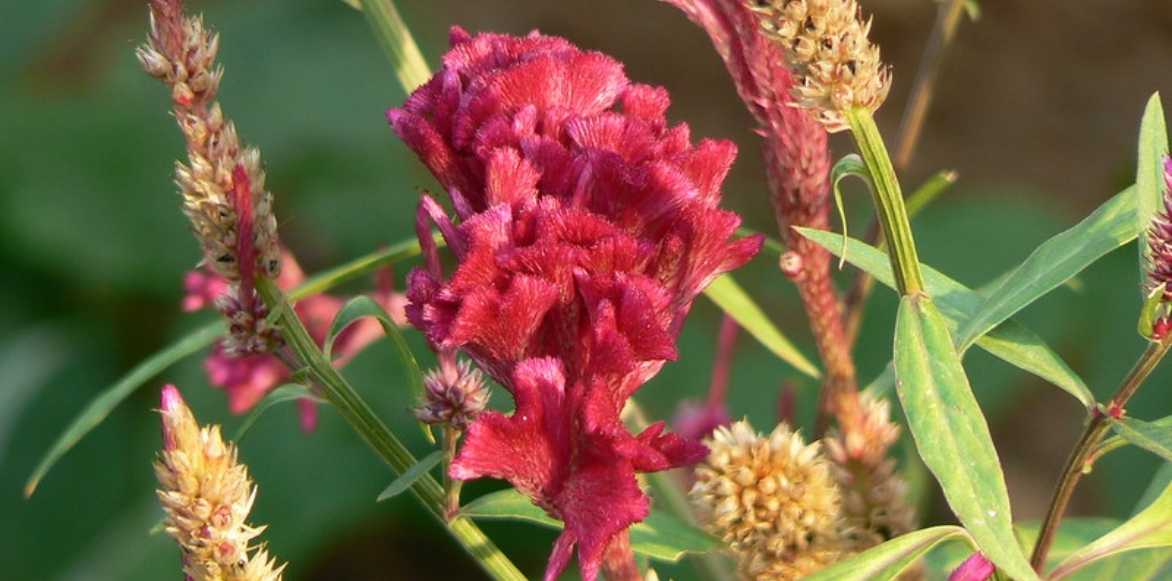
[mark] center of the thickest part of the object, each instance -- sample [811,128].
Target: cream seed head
[766,494]
[836,66]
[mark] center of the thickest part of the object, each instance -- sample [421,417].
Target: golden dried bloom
[771,494]
[836,65]
[207,495]
[874,495]
[222,183]
[764,566]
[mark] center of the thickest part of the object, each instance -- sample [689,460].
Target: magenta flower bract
[976,568]
[587,226]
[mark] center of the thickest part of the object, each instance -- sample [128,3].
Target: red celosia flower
[246,378]
[587,228]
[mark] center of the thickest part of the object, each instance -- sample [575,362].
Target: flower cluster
[826,43]
[587,226]
[454,394]
[772,499]
[207,495]
[246,378]
[1159,238]
[222,183]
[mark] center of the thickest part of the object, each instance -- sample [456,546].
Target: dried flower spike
[222,183]
[837,67]
[207,495]
[453,395]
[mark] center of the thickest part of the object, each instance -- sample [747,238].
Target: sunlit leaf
[409,476]
[732,299]
[660,536]
[1151,528]
[951,434]
[1054,262]
[1155,437]
[285,393]
[105,402]
[1149,173]
[888,560]
[1010,341]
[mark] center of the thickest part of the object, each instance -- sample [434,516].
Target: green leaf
[730,297]
[888,560]
[1151,528]
[849,165]
[929,191]
[1155,437]
[364,306]
[951,434]
[1010,341]
[660,536]
[1149,172]
[284,393]
[409,476]
[101,406]
[1053,263]
[360,266]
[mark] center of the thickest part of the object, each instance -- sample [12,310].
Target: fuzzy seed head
[454,396]
[763,566]
[836,65]
[772,494]
[207,495]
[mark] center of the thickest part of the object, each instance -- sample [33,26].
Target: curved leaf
[951,434]
[849,165]
[364,306]
[1054,262]
[1011,341]
[410,475]
[1151,528]
[101,406]
[1155,437]
[732,299]
[660,536]
[888,560]
[1149,172]
[284,393]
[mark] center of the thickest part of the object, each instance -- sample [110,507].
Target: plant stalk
[889,204]
[1076,463]
[395,38]
[375,433]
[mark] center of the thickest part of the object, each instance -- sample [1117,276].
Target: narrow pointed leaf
[1155,437]
[101,406]
[888,560]
[1010,341]
[364,306]
[849,165]
[1053,263]
[1149,173]
[405,480]
[660,536]
[951,434]
[1151,528]
[284,393]
[732,299]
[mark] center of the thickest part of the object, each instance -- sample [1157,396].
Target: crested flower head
[766,494]
[454,395]
[207,495]
[587,226]
[837,66]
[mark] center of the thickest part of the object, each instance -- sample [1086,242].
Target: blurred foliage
[92,248]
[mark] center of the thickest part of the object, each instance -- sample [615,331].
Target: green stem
[375,433]
[397,42]
[889,205]
[1096,428]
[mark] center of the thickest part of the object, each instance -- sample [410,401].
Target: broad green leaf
[364,306]
[1074,534]
[409,476]
[284,393]
[888,560]
[951,434]
[1010,341]
[732,299]
[660,536]
[1054,262]
[1155,437]
[1151,528]
[1149,172]
[104,403]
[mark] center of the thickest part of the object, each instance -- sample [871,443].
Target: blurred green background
[1037,111]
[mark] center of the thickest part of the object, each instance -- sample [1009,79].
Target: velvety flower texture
[247,378]
[587,226]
